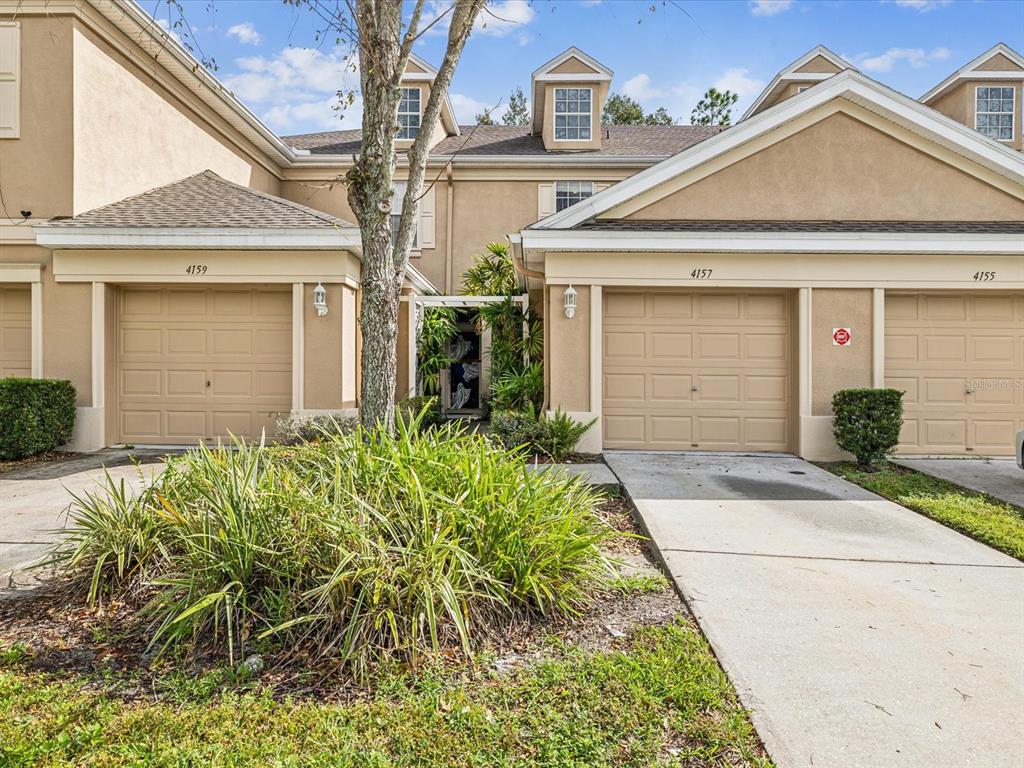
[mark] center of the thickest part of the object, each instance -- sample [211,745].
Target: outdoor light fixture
[570,302]
[320,300]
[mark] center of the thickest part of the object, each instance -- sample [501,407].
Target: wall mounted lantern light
[320,300]
[570,302]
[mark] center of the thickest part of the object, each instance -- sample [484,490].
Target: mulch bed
[7,466]
[106,646]
[572,458]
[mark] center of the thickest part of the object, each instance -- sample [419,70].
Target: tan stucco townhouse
[193,274]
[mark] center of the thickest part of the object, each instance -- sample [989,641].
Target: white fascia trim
[422,63]
[527,161]
[788,73]
[967,70]
[418,282]
[200,237]
[848,84]
[568,53]
[572,78]
[772,242]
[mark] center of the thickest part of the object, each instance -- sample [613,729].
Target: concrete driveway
[857,632]
[999,478]
[34,499]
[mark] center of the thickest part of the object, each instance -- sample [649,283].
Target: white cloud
[639,87]
[922,6]
[739,82]
[916,57]
[500,18]
[245,33]
[467,108]
[769,7]
[297,88]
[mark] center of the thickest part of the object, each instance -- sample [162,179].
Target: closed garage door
[200,363]
[702,370]
[960,360]
[15,331]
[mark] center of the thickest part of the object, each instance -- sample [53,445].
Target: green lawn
[661,699]
[991,522]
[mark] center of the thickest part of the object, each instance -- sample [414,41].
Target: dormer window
[573,114]
[993,115]
[409,114]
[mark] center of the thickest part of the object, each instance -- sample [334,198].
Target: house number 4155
[984,277]
[195,269]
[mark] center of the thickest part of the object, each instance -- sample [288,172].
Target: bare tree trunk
[383,54]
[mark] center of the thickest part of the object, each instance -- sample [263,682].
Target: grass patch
[981,517]
[661,699]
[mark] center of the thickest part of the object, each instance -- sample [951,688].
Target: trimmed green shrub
[423,410]
[360,547]
[555,436]
[304,428]
[36,416]
[867,423]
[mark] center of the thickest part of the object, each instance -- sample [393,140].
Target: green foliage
[492,273]
[622,110]
[361,546]
[436,329]
[988,520]
[303,428]
[554,436]
[660,689]
[484,118]
[519,390]
[36,416]
[714,108]
[517,113]
[423,410]
[867,422]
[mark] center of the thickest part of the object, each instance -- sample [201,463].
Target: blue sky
[270,55]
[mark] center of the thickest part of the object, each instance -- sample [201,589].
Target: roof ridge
[137,195]
[325,217]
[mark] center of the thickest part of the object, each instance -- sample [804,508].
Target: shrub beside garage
[868,423]
[36,416]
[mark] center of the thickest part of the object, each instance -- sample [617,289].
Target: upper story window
[993,115]
[571,192]
[409,114]
[573,114]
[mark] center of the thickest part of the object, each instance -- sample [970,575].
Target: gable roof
[641,141]
[968,70]
[790,74]
[572,52]
[203,200]
[850,85]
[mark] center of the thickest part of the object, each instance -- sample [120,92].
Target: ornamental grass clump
[359,546]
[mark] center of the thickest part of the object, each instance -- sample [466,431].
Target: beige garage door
[960,360]
[696,371]
[15,331]
[200,363]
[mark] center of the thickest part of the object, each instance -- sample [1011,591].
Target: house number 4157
[701,274]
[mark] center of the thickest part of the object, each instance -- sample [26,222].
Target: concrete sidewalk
[858,633]
[34,500]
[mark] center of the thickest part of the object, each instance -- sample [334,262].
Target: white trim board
[849,85]
[789,74]
[969,70]
[199,237]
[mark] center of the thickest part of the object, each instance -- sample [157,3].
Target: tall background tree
[714,108]
[622,110]
[518,113]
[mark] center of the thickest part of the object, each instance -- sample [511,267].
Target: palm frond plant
[436,329]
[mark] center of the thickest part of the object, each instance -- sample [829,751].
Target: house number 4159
[195,269]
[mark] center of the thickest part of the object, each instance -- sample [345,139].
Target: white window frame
[405,132]
[396,215]
[802,88]
[569,189]
[578,115]
[1012,113]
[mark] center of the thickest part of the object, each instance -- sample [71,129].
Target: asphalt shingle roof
[517,141]
[913,227]
[203,200]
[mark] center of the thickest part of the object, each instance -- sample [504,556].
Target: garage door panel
[197,363]
[735,355]
[960,395]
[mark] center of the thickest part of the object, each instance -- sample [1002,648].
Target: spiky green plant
[436,329]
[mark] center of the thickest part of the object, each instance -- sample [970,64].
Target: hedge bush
[36,416]
[867,423]
[554,436]
[305,428]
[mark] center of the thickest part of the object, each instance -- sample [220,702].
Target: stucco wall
[838,168]
[486,211]
[834,368]
[568,360]
[131,134]
[36,169]
[323,342]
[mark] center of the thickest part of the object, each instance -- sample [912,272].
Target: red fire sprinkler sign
[841,337]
